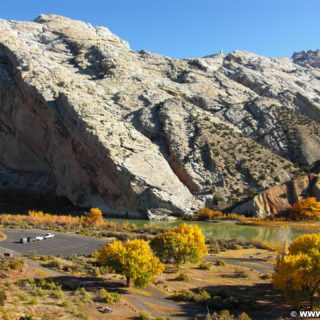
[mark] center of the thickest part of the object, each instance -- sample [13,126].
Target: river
[226,229]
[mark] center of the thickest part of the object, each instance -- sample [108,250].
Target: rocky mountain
[138,134]
[307,58]
[279,198]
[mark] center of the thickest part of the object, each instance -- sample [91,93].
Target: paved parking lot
[62,244]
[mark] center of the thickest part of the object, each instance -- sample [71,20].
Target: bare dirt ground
[261,300]
[260,260]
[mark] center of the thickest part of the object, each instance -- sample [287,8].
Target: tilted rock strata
[279,199]
[139,134]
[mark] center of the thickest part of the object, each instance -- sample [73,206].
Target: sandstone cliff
[139,134]
[279,199]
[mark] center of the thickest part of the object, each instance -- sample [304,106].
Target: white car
[49,236]
[39,238]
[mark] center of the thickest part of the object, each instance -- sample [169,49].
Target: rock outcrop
[279,199]
[307,58]
[139,134]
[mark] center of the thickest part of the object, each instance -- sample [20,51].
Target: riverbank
[244,229]
[310,226]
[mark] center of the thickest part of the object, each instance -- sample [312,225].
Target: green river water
[227,229]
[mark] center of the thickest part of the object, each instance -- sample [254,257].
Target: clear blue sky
[191,28]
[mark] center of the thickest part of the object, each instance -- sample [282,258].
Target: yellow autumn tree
[133,259]
[94,218]
[298,273]
[304,209]
[180,244]
[206,213]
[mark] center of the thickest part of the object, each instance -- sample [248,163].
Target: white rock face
[139,134]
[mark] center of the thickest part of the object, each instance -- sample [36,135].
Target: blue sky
[191,28]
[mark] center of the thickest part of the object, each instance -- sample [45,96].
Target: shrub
[144,315]
[40,292]
[34,301]
[208,214]
[17,263]
[202,296]
[8,264]
[183,295]
[3,297]
[92,224]
[266,276]
[57,293]
[44,284]
[108,297]
[66,303]
[93,218]
[182,277]
[234,246]
[44,218]
[243,316]
[55,264]
[82,296]
[205,266]
[226,315]
[180,244]
[214,247]
[234,216]
[240,273]
[218,245]
[219,263]
[97,272]
[308,208]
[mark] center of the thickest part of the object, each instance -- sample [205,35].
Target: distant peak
[307,58]
[41,18]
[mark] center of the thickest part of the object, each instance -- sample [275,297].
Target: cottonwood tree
[298,273]
[180,244]
[133,259]
[94,218]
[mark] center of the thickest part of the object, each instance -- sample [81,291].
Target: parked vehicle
[37,238]
[24,240]
[49,235]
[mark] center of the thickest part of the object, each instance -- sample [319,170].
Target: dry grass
[42,300]
[46,303]
[74,224]
[310,225]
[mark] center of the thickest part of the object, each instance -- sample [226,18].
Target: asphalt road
[62,244]
[255,264]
